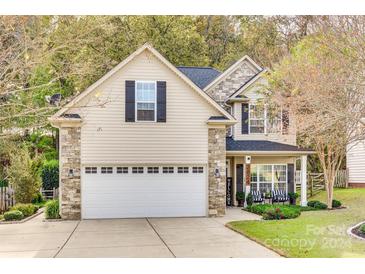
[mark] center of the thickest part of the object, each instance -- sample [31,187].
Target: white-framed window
[137,169]
[91,170]
[257,119]
[183,169]
[106,170]
[146,101]
[168,169]
[268,177]
[153,169]
[198,169]
[264,119]
[122,169]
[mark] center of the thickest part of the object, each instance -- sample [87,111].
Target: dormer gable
[232,79]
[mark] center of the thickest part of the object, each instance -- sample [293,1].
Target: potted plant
[293,197]
[240,197]
[249,199]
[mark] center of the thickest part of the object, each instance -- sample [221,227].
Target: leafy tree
[24,176]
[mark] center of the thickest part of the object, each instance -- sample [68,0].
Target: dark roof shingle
[249,145]
[201,76]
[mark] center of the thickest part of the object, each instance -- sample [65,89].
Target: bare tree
[323,86]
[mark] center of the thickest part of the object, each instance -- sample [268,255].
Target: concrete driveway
[152,237]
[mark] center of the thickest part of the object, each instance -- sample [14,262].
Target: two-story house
[153,140]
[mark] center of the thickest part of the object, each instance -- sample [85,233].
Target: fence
[50,193]
[315,181]
[6,198]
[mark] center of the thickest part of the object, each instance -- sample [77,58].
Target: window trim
[168,169]
[266,120]
[138,169]
[153,169]
[121,169]
[183,169]
[107,169]
[272,175]
[91,169]
[199,169]
[136,101]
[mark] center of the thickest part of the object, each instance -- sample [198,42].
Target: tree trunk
[329,188]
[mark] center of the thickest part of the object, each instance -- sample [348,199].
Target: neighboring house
[149,140]
[355,164]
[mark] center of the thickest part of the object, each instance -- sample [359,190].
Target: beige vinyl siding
[254,94]
[356,163]
[107,138]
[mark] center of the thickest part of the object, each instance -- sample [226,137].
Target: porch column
[247,180]
[303,178]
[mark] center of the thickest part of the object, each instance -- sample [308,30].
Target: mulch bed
[357,232]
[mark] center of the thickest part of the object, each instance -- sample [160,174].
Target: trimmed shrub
[3,183]
[26,209]
[38,198]
[52,209]
[362,228]
[312,203]
[336,203]
[13,215]
[278,213]
[259,208]
[249,199]
[50,174]
[317,204]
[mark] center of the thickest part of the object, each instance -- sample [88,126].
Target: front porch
[247,172]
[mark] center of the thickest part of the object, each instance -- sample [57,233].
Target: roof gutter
[222,122]
[65,122]
[269,153]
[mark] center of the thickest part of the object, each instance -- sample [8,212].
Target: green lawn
[314,233]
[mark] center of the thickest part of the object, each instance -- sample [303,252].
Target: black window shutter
[130,101]
[161,101]
[291,173]
[245,110]
[285,121]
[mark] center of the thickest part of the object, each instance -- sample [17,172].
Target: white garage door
[153,191]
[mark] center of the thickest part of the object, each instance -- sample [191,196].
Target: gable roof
[232,68]
[201,76]
[246,85]
[148,47]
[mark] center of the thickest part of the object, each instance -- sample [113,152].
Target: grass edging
[279,252]
[350,229]
[39,212]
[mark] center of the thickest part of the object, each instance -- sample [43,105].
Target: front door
[239,177]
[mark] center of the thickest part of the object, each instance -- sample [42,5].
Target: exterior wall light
[217,174]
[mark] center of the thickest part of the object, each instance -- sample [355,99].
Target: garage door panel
[143,195]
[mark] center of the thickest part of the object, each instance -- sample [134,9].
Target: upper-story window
[257,119]
[264,119]
[146,101]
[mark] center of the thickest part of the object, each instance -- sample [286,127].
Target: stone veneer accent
[70,163]
[232,82]
[217,160]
